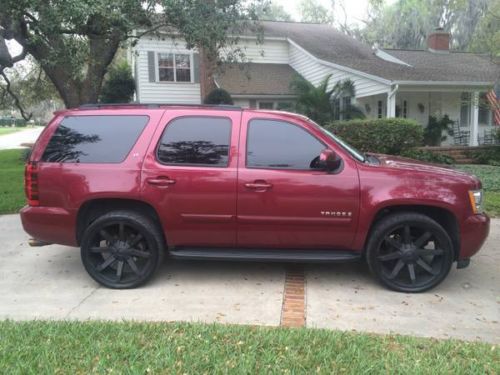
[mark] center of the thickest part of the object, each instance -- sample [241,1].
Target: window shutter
[151,66]
[196,67]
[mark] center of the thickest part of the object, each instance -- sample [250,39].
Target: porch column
[474,118]
[391,103]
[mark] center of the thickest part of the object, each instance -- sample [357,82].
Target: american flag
[494,102]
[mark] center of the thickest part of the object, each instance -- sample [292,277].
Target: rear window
[94,139]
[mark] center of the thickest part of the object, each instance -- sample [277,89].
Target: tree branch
[17,102]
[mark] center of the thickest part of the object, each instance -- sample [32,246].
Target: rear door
[190,174]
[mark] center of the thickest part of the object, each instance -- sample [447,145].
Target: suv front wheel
[409,252]
[121,249]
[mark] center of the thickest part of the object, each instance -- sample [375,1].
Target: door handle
[160,181]
[258,185]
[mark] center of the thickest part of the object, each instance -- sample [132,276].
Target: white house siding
[244,103]
[162,92]
[270,51]
[315,71]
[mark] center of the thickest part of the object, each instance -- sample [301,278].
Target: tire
[409,252]
[122,249]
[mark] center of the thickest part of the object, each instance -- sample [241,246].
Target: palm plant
[317,102]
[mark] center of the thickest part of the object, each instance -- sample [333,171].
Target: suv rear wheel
[409,252]
[121,249]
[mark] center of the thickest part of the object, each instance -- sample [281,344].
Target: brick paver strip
[293,312]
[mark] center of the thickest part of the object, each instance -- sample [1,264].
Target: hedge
[385,136]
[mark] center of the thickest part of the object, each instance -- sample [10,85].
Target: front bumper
[474,231]
[50,224]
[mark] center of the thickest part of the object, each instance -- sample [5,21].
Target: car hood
[401,163]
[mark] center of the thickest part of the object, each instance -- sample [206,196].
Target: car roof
[218,107]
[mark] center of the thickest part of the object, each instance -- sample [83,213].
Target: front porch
[467,108]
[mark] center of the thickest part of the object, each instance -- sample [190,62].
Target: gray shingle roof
[326,43]
[256,79]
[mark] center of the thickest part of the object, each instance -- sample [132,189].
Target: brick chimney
[438,41]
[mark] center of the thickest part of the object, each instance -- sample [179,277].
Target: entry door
[190,176]
[283,201]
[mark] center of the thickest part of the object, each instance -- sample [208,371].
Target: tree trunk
[207,70]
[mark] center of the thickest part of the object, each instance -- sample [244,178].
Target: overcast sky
[356,10]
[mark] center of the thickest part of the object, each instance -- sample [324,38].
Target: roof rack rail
[159,105]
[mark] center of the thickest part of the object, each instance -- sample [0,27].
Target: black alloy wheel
[409,252]
[121,249]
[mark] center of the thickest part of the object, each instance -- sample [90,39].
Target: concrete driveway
[50,283]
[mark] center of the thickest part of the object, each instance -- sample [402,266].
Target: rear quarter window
[94,139]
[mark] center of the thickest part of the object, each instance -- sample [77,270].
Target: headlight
[476,201]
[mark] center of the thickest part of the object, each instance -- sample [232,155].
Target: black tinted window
[278,144]
[196,140]
[94,139]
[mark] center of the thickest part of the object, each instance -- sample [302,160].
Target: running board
[263,255]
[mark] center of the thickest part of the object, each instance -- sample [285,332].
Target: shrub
[119,86]
[218,96]
[433,133]
[385,136]
[486,155]
[20,123]
[428,156]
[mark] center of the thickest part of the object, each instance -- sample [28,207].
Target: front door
[284,201]
[190,174]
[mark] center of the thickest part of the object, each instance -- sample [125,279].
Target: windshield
[346,146]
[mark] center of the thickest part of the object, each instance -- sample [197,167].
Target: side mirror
[329,161]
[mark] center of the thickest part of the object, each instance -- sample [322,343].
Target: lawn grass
[11,181]
[490,177]
[140,348]
[8,130]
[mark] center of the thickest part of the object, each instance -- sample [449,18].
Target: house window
[405,108]
[484,110]
[173,67]
[336,109]
[284,106]
[346,106]
[266,105]
[380,109]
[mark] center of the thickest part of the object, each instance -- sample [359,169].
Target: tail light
[31,183]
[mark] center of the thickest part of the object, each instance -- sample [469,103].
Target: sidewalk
[14,140]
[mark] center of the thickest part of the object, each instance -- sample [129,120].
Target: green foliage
[89,347]
[313,11]
[270,11]
[74,41]
[317,102]
[119,87]
[490,177]
[428,156]
[17,122]
[486,155]
[385,136]
[433,133]
[218,96]
[207,24]
[406,23]
[486,37]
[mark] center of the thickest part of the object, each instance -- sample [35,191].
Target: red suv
[131,183]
